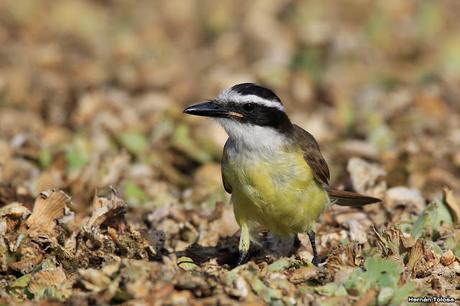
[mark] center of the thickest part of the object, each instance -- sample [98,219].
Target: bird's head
[248,112]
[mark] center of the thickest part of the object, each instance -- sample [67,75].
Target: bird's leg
[245,242]
[315,260]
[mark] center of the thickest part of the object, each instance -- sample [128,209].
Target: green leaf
[309,59]
[186,144]
[376,26]
[21,282]
[378,272]
[346,115]
[77,154]
[442,216]
[45,158]
[266,293]
[382,137]
[451,56]
[435,214]
[429,19]
[423,220]
[456,250]
[403,292]
[134,142]
[383,271]
[332,289]
[436,248]
[134,194]
[279,265]
[186,263]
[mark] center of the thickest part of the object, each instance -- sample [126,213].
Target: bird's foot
[242,258]
[316,261]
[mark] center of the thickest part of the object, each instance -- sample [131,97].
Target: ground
[110,195]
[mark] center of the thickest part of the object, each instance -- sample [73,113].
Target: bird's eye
[248,107]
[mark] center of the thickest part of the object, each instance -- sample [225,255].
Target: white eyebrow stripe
[232,96]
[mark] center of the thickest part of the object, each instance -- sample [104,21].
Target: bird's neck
[253,137]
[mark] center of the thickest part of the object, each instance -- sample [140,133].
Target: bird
[274,170]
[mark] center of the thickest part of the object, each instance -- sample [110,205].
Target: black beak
[207,109]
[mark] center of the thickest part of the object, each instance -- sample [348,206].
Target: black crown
[257,90]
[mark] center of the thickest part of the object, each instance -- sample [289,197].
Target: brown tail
[347,198]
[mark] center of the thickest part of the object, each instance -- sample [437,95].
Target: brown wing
[347,198]
[312,155]
[227,186]
[315,160]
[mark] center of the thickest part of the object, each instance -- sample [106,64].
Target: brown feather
[347,198]
[312,154]
[315,160]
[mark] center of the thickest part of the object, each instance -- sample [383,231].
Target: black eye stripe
[248,107]
[260,115]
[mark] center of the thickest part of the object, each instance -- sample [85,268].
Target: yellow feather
[277,192]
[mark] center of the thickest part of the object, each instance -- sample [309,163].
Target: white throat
[253,137]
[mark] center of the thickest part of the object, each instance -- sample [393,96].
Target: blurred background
[92,92]
[91,96]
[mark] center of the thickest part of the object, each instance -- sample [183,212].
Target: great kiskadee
[273,169]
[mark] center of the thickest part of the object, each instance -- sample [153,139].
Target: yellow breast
[276,191]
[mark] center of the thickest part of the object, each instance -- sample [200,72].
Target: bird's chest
[267,178]
[277,190]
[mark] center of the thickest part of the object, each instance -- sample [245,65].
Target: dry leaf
[452,204]
[48,209]
[30,257]
[53,277]
[14,210]
[105,210]
[406,197]
[367,177]
[447,258]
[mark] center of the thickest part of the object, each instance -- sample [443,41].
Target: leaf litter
[109,195]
